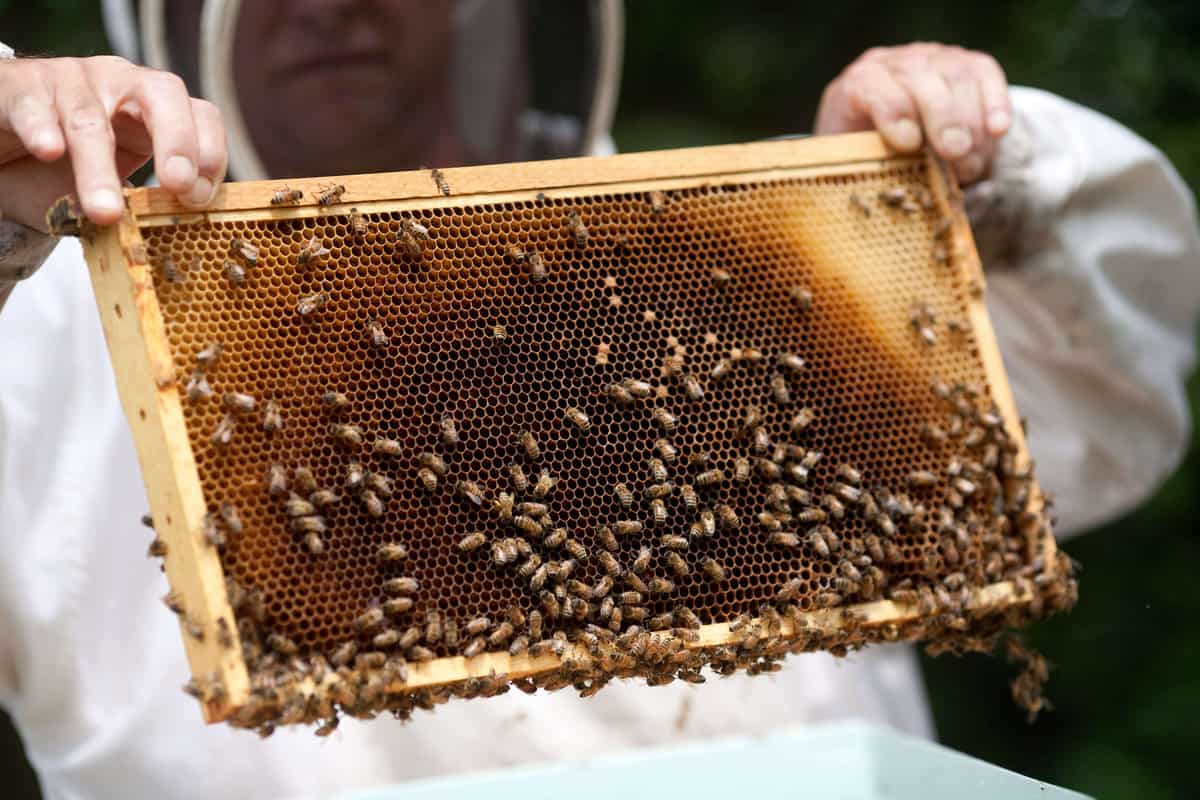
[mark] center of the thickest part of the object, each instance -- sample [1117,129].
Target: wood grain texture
[825,151]
[146,381]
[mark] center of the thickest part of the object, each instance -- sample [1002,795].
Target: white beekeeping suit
[1093,263]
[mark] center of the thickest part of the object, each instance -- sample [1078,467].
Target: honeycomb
[662,285]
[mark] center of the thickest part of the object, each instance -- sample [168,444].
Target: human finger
[212,154]
[870,97]
[91,146]
[935,102]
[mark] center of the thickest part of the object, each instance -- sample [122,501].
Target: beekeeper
[1088,235]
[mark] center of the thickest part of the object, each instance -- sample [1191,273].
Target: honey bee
[814,514]
[370,620]
[170,270]
[532,527]
[421,653]
[312,253]
[713,569]
[692,387]
[784,539]
[801,296]
[666,450]
[850,494]
[376,335]
[642,562]
[434,628]
[313,524]
[536,265]
[198,387]
[235,273]
[860,205]
[439,180]
[530,445]
[472,542]
[659,491]
[296,506]
[286,196]
[661,586]
[624,496]
[545,484]
[386,639]
[392,552]
[449,429]
[619,394]
[609,563]
[578,230]
[348,436]
[779,387]
[627,527]
[371,502]
[677,565]
[272,417]
[428,478]
[503,506]
[247,251]
[710,478]
[358,224]
[769,470]
[401,586]
[658,201]
[893,197]
[658,470]
[575,549]
[345,652]
[721,278]
[395,606]
[741,470]
[721,370]
[157,548]
[312,303]
[470,491]
[921,479]
[330,195]
[241,403]
[664,419]
[640,389]
[387,447]
[577,418]
[378,483]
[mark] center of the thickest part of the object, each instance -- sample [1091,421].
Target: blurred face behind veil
[348,86]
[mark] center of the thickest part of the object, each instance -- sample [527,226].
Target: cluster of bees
[624,623]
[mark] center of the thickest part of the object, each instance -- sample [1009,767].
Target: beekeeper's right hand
[84,124]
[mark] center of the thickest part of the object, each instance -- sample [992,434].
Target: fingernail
[105,201]
[903,134]
[970,168]
[956,141]
[202,192]
[178,170]
[998,121]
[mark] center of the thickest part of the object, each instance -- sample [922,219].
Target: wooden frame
[142,361]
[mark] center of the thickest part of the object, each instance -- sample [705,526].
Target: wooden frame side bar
[146,381]
[965,258]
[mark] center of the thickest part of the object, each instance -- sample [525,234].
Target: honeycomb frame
[150,376]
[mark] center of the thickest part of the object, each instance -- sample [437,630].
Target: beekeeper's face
[338,86]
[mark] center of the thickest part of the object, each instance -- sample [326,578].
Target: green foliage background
[703,72]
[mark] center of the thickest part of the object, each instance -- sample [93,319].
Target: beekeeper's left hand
[954,99]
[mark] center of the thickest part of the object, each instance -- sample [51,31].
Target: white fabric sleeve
[1089,239]
[22,251]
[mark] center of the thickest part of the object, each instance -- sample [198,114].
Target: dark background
[1125,687]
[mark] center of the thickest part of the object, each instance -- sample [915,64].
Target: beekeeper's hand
[84,124]
[955,99]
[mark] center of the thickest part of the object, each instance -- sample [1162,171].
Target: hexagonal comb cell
[660,404]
